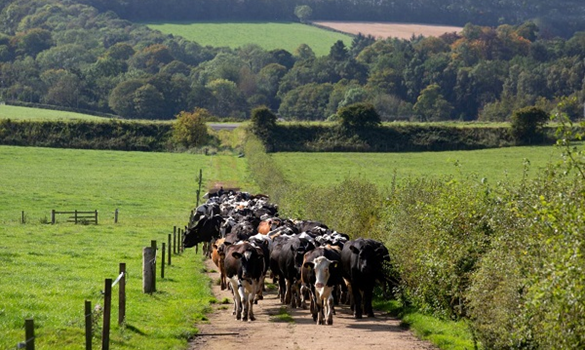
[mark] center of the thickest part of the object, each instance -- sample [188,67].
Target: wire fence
[91,315]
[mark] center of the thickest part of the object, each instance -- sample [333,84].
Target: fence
[149,286]
[78,216]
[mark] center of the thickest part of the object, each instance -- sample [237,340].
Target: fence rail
[77,216]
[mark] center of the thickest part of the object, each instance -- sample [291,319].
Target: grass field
[268,35]
[49,270]
[27,113]
[380,168]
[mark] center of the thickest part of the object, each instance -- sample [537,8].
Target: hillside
[268,35]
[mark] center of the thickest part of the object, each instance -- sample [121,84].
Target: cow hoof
[358,316]
[329,322]
[260,297]
[252,318]
[371,315]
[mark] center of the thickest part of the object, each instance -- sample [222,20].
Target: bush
[527,124]
[189,130]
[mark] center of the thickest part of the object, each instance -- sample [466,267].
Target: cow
[322,290]
[206,229]
[362,264]
[286,259]
[218,257]
[244,266]
[321,279]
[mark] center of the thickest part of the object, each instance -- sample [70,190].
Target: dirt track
[224,332]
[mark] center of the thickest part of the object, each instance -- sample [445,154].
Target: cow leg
[287,294]
[368,292]
[244,300]
[320,315]
[281,289]
[237,299]
[329,310]
[357,301]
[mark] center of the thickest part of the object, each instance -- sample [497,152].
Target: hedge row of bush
[509,257]
[399,138]
[110,135]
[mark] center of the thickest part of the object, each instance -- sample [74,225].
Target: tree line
[74,55]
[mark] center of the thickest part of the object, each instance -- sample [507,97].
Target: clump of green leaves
[189,130]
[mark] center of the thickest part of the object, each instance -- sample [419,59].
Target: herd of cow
[246,239]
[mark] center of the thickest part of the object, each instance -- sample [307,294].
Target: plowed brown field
[386,30]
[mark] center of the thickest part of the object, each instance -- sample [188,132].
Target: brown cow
[218,257]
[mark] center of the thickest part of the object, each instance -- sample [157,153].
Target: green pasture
[268,35]
[28,113]
[380,168]
[49,270]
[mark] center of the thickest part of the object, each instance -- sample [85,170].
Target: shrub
[189,130]
[528,123]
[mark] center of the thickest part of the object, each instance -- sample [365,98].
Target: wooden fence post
[96,217]
[107,314]
[53,217]
[174,239]
[22,219]
[88,323]
[75,217]
[122,295]
[116,216]
[153,246]
[162,261]
[169,262]
[148,256]
[29,333]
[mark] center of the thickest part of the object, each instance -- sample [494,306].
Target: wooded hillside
[73,55]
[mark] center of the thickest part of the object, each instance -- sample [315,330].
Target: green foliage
[358,116]
[262,125]
[303,12]
[527,124]
[431,105]
[113,134]
[189,130]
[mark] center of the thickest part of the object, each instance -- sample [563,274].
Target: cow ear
[236,255]
[354,249]
[309,265]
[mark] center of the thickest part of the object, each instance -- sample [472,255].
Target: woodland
[89,56]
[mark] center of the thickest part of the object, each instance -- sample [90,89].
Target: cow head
[251,260]
[321,267]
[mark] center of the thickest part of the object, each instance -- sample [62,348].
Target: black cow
[244,268]
[286,259]
[362,263]
[206,229]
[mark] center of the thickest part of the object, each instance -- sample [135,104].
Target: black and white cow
[244,267]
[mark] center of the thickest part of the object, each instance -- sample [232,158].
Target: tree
[431,106]
[263,124]
[148,102]
[303,12]
[34,41]
[121,99]
[359,116]
[189,130]
[338,51]
[527,124]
